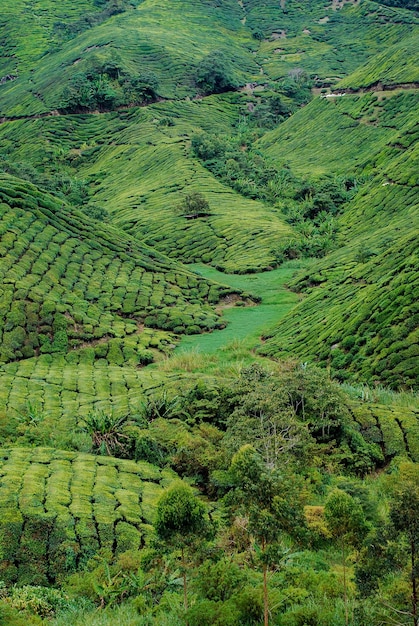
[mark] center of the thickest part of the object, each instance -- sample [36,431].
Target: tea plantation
[59,508]
[209,288]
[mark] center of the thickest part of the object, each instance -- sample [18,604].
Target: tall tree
[181,520]
[346,522]
[271,504]
[404,515]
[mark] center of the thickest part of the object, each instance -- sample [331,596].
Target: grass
[246,324]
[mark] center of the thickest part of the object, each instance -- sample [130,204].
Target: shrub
[42,601]
[193,205]
[214,74]
[106,432]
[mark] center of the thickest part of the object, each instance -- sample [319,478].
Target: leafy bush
[107,433]
[42,601]
[193,205]
[103,87]
[215,74]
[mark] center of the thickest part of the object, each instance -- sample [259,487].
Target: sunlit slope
[162,37]
[138,166]
[341,134]
[360,317]
[29,31]
[65,279]
[398,64]
[364,323]
[48,45]
[325,39]
[59,508]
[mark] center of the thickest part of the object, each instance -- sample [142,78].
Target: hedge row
[58,509]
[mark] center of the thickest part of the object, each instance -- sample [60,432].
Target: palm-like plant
[106,431]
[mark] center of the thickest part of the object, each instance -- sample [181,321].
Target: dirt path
[373,88]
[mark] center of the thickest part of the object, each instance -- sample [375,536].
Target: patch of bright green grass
[247,323]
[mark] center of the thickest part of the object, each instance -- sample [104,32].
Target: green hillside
[395,65]
[209,295]
[363,323]
[361,313]
[67,280]
[58,508]
[139,168]
[342,134]
[118,42]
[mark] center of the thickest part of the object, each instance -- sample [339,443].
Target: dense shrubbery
[215,74]
[277,452]
[311,206]
[105,87]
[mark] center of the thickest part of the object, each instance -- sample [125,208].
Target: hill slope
[66,280]
[362,318]
[58,509]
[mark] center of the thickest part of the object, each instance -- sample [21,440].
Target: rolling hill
[294,126]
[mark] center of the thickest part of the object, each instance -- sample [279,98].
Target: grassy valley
[208,330]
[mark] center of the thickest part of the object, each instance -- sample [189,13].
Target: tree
[271,504]
[214,74]
[346,522]
[193,205]
[181,520]
[404,515]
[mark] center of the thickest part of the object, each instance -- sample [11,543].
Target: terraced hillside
[276,141]
[361,312]
[60,508]
[112,44]
[138,166]
[66,281]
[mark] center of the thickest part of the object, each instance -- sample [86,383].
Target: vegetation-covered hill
[165,47]
[363,300]
[59,507]
[66,280]
[157,468]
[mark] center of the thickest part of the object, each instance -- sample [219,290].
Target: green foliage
[345,518]
[42,601]
[180,517]
[104,88]
[215,74]
[194,205]
[219,581]
[107,433]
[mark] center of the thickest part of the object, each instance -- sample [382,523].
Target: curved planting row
[66,281]
[44,400]
[58,509]
[395,430]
